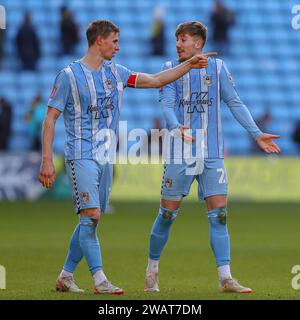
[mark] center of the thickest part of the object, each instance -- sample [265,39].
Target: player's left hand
[47,174]
[201,60]
[265,142]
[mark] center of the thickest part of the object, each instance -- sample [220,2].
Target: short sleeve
[128,77]
[60,92]
[167,99]
[167,91]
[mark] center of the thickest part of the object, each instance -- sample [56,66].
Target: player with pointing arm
[89,94]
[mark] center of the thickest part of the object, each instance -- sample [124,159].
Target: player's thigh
[176,182]
[216,201]
[213,180]
[84,179]
[105,184]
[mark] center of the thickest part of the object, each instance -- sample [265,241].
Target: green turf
[264,239]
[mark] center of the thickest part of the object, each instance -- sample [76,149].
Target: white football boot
[232,285]
[106,287]
[151,284]
[67,284]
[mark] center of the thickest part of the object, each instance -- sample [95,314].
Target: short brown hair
[101,28]
[193,28]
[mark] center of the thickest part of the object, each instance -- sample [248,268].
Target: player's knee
[218,216]
[93,213]
[170,205]
[168,214]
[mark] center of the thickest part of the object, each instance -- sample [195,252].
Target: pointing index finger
[211,54]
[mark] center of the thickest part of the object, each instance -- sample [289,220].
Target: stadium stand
[264,61]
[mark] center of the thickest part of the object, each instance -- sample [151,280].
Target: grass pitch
[34,238]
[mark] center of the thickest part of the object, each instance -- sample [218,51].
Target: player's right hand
[47,174]
[184,130]
[201,60]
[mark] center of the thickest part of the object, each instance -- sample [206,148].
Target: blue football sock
[160,232]
[219,237]
[89,244]
[75,253]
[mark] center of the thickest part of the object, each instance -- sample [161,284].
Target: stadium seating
[264,60]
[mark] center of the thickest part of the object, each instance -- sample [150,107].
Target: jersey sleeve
[239,110]
[127,76]
[227,85]
[60,92]
[167,99]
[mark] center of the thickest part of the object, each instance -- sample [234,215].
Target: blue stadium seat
[9,93]
[27,79]
[264,58]
[19,126]
[47,81]
[48,64]
[7,78]
[20,142]
[78,5]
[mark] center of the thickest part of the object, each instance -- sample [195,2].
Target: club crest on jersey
[168,183]
[207,80]
[109,84]
[85,197]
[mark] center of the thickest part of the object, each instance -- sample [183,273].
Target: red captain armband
[131,82]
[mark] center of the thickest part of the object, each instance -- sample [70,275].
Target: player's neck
[93,60]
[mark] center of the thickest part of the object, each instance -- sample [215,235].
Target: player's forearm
[243,116]
[170,116]
[170,75]
[47,138]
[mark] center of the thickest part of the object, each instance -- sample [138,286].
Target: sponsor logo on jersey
[101,110]
[196,103]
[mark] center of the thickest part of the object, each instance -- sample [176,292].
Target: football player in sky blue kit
[191,105]
[89,94]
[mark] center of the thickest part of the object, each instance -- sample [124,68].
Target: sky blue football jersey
[90,101]
[194,101]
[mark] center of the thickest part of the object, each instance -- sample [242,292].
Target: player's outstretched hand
[47,174]
[266,143]
[201,60]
